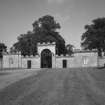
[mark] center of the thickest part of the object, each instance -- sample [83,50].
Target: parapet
[11,53]
[31,56]
[46,43]
[62,55]
[84,51]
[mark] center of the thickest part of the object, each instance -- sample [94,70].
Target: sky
[17,16]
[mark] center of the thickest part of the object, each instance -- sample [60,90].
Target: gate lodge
[47,58]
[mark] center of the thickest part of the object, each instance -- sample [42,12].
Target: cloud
[55,1]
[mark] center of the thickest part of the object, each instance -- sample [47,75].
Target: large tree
[94,37]
[44,30]
[26,44]
[3,48]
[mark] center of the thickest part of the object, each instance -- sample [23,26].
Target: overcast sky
[17,16]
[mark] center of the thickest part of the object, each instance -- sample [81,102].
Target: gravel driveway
[57,87]
[8,77]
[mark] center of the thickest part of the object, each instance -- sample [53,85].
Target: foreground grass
[57,87]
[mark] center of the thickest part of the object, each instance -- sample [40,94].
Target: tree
[26,44]
[44,30]
[3,48]
[69,49]
[94,37]
[46,23]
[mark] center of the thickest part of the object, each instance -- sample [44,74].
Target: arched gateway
[47,54]
[46,59]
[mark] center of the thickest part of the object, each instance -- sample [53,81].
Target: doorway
[29,64]
[64,63]
[46,59]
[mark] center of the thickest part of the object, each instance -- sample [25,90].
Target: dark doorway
[46,59]
[64,63]
[29,64]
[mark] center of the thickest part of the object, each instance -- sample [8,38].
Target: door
[46,59]
[29,64]
[64,63]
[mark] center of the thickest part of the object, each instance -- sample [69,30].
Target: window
[85,60]
[11,60]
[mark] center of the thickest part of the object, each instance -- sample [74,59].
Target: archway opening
[46,59]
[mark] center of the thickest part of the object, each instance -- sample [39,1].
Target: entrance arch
[46,59]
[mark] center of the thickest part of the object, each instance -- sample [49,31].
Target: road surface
[57,87]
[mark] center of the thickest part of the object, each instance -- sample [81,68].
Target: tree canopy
[94,36]
[3,48]
[44,30]
[69,48]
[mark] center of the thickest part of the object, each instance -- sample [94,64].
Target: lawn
[84,86]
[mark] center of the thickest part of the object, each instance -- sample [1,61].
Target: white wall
[35,62]
[101,61]
[87,59]
[78,60]
[11,61]
[59,61]
[50,46]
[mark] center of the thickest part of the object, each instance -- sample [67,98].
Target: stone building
[47,58]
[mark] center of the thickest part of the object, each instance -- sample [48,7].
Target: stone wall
[79,59]
[59,61]
[11,61]
[50,46]
[82,59]
[101,61]
[86,59]
[35,61]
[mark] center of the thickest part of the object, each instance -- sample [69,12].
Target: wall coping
[85,51]
[46,43]
[61,56]
[36,56]
[8,53]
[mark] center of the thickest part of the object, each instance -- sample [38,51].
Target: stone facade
[50,46]
[12,60]
[78,59]
[35,61]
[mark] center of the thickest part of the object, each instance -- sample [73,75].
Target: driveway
[8,77]
[57,87]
